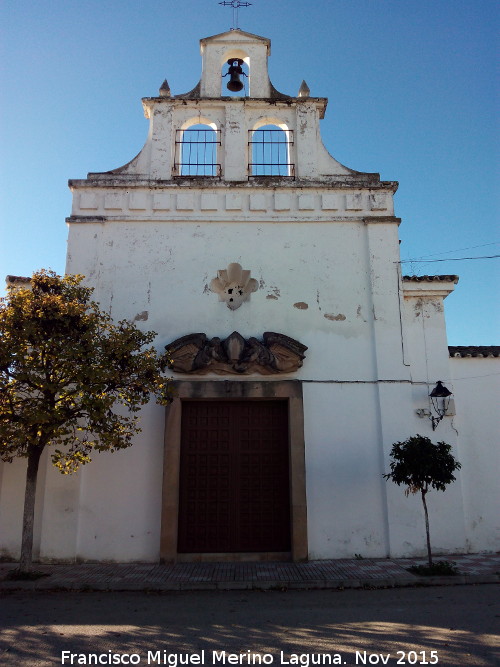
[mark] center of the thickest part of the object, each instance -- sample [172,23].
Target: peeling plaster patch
[301,305]
[275,293]
[317,299]
[359,313]
[354,202]
[262,284]
[378,202]
[417,307]
[206,289]
[337,318]
[142,317]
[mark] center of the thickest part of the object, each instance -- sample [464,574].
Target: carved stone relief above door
[197,354]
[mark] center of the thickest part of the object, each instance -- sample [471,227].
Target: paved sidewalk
[344,573]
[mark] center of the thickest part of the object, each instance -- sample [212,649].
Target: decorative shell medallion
[233,285]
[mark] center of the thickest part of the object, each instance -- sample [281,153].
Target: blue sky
[411,90]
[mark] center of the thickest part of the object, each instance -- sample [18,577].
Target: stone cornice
[429,286]
[378,219]
[216,102]
[228,98]
[112,180]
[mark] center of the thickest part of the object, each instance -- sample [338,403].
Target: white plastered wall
[476,383]
[427,351]
[319,291]
[334,289]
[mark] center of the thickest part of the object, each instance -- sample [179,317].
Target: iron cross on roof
[235,4]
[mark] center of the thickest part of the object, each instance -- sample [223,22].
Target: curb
[46,584]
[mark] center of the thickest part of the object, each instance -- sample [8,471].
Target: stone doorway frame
[186,390]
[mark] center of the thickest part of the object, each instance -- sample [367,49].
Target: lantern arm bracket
[440,400]
[435,421]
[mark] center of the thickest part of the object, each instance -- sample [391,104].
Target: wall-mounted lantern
[440,401]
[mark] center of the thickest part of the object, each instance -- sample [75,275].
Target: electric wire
[448,259]
[448,252]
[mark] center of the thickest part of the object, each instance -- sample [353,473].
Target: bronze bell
[235,71]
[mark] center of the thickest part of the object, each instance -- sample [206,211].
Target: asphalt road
[450,626]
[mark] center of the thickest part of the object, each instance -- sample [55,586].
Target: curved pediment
[197,354]
[237,36]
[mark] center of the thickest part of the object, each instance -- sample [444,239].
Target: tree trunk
[429,554]
[26,561]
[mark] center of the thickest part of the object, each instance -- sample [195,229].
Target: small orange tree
[422,465]
[66,373]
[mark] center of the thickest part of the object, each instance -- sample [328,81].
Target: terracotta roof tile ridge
[440,278]
[464,351]
[17,279]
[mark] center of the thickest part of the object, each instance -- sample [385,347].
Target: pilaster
[162,142]
[235,144]
[306,141]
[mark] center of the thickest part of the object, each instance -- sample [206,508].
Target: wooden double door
[234,492]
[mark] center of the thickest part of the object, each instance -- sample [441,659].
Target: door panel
[234,477]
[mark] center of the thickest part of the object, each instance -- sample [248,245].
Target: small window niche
[270,151]
[196,151]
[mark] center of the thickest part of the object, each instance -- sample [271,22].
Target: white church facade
[300,353]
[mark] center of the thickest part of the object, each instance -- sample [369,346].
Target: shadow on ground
[460,625]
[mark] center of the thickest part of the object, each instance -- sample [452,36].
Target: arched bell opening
[235,74]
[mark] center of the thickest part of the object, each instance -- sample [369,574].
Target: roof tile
[443,278]
[17,279]
[464,351]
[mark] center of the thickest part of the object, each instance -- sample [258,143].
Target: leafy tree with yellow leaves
[70,378]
